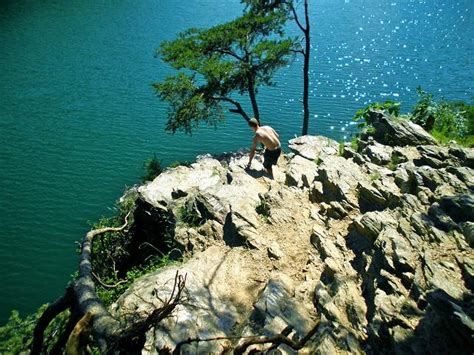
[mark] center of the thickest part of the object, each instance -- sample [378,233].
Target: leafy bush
[17,335]
[118,258]
[153,168]
[445,120]
[390,107]
[190,216]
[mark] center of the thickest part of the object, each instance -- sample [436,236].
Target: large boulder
[398,132]
[301,172]
[178,181]
[460,208]
[220,292]
[337,180]
[312,147]
[378,153]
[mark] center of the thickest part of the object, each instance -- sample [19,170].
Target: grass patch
[341,149]
[109,295]
[318,161]
[375,176]
[177,163]
[394,161]
[355,143]
[263,210]
[189,215]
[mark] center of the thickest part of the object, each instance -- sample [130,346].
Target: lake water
[78,116]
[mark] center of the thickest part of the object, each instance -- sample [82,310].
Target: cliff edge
[368,249]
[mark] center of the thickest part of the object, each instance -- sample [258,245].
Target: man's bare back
[268,136]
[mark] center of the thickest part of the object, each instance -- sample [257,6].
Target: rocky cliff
[370,247]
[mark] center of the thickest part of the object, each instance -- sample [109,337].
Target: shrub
[189,215]
[153,168]
[17,335]
[390,107]
[445,120]
[355,143]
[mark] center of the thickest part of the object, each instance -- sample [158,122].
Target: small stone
[274,251]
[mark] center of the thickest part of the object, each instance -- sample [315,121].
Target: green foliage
[375,176]
[394,161]
[190,216]
[115,261]
[390,107]
[234,57]
[177,163]
[355,143]
[109,295]
[445,120]
[341,149]
[263,209]
[318,160]
[17,335]
[153,168]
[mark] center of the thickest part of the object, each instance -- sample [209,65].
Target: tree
[288,7]
[235,57]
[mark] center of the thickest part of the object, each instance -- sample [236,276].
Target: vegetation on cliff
[444,120]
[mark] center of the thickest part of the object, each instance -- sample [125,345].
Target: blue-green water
[78,115]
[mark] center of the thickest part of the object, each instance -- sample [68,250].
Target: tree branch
[302,28]
[298,51]
[228,52]
[277,340]
[254,340]
[238,106]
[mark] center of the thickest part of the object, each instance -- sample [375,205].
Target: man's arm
[252,150]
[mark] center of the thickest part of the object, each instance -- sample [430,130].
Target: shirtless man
[270,140]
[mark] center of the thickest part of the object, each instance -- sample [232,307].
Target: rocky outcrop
[397,132]
[373,246]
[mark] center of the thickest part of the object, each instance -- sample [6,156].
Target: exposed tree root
[89,313]
[60,305]
[75,340]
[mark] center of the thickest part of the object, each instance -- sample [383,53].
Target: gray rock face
[379,154]
[313,147]
[398,132]
[301,172]
[381,258]
[460,208]
[339,179]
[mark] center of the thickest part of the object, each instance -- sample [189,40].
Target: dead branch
[102,283]
[135,333]
[277,340]
[255,340]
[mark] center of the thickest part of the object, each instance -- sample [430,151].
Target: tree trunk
[253,98]
[307,56]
